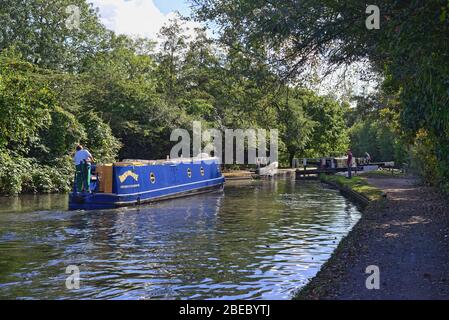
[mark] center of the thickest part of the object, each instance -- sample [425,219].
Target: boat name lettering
[130,186]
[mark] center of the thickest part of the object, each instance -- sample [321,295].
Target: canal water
[254,240]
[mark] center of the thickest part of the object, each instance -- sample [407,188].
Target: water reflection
[255,240]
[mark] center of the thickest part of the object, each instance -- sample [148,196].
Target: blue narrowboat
[133,182]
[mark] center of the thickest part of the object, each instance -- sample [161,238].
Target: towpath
[406,236]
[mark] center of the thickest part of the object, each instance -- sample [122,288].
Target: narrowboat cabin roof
[135,181]
[139,162]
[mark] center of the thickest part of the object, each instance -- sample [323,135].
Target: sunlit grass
[357,184]
[384,173]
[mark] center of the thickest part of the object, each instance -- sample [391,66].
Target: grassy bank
[357,184]
[384,173]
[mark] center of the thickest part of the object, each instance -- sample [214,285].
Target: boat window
[152,177]
[189,173]
[202,171]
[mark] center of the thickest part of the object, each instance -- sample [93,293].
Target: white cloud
[135,17]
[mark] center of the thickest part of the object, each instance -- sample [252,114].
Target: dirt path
[407,237]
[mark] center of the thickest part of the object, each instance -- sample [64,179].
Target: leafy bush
[100,141]
[59,138]
[12,171]
[379,140]
[18,174]
[424,161]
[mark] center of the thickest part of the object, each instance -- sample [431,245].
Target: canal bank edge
[356,189]
[368,197]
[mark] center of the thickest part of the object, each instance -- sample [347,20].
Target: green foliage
[424,160]
[379,140]
[124,93]
[18,174]
[410,51]
[330,134]
[174,44]
[12,172]
[59,137]
[357,184]
[99,138]
[121,98]
[312,126]
[25,104]
[296,128]
[199,78]
[48,179]
[37,28]
[37,134]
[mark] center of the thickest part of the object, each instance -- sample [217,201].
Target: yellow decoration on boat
[127,174]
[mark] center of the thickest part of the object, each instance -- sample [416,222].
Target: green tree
[38,29]
[170,60]
[410,50]
[59,138]
[99,138]
[330,134]
[295,127]
[124,93]
[198,76]
[25,104]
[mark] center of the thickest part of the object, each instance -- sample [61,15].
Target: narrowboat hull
[138,183]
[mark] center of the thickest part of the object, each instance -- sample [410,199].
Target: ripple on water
[257,240]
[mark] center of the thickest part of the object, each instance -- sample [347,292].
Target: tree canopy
[63,84]
[410,51]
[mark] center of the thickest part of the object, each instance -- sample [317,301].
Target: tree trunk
[291,155]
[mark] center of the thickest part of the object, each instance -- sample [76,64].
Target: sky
[141,18]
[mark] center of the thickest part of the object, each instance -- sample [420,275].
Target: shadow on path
[406,236]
